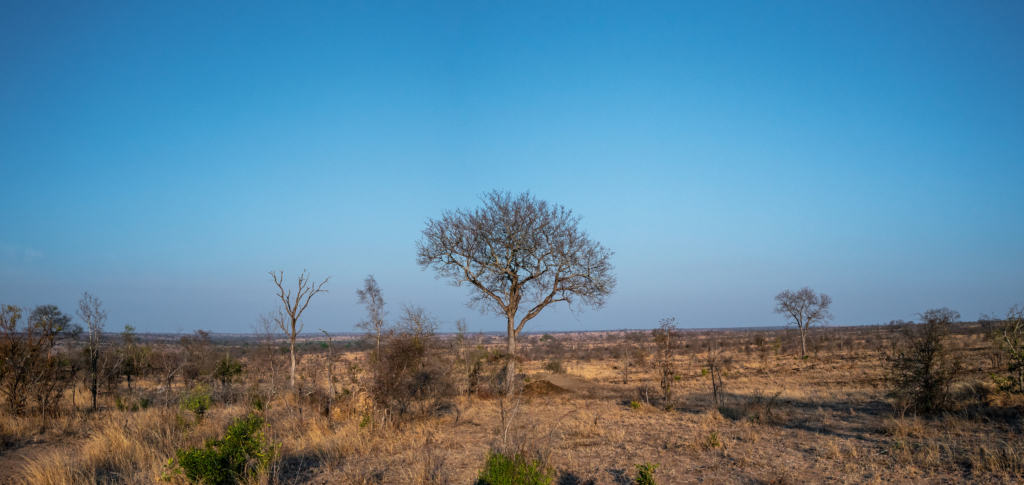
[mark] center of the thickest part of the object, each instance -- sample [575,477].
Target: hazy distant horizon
[164,159]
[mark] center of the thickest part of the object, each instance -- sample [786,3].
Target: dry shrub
[32,370]
[411,378]
[758,408]
[921,369]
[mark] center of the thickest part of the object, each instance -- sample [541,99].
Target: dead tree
[666,338]
[269,322]
[717,363]
[803,308]
[90,310]
[370,297]
[294,305]
[517,252]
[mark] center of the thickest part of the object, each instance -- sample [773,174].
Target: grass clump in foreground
[516,470]
[242,454]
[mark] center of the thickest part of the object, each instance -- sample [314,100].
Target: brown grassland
[781,419]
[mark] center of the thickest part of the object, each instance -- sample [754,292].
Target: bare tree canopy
[370,297]
[519,254]
[294,305]
[90,310]
[803,308]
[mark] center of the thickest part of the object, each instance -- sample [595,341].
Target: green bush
[517,470]
[227,369]
[242,454]
[645,474]
[712,441]
[197,400]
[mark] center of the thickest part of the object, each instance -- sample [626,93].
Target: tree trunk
[292,381]
[803,342]
[94,385]
[377,357]
[510,367]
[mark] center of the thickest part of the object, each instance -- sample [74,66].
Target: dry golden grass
[783,421]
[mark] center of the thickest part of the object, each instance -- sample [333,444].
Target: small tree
[921,370]
[227,369]
[717,362]
[666,338]
[517,252]
[370,296]
[90,310]
[294,305]
[28,368]
[1010,338]
[199,357]
[134,359]
[803,308]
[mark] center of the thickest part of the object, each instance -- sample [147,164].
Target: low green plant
[645,474]
[516,470]
[241,455]
[197,401]
[634,404]
[712,440]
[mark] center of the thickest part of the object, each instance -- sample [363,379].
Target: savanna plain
[663,406]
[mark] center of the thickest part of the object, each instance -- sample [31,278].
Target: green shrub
[197,400]
[634,404]
[227,369]
[645,474]
[242,454]
[517,470]
[712,441]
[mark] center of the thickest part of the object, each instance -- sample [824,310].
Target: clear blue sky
[165,155]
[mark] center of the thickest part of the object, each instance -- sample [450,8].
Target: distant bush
[241,455]
[554,366]
[227,369]
[645,474]
[197,401]
[921,369]
[516,470]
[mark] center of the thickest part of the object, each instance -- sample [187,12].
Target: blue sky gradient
[165,156]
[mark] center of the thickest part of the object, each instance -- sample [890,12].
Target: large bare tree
[803,308]
[293,304]
[370,296]
[519,255]
[90,310]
